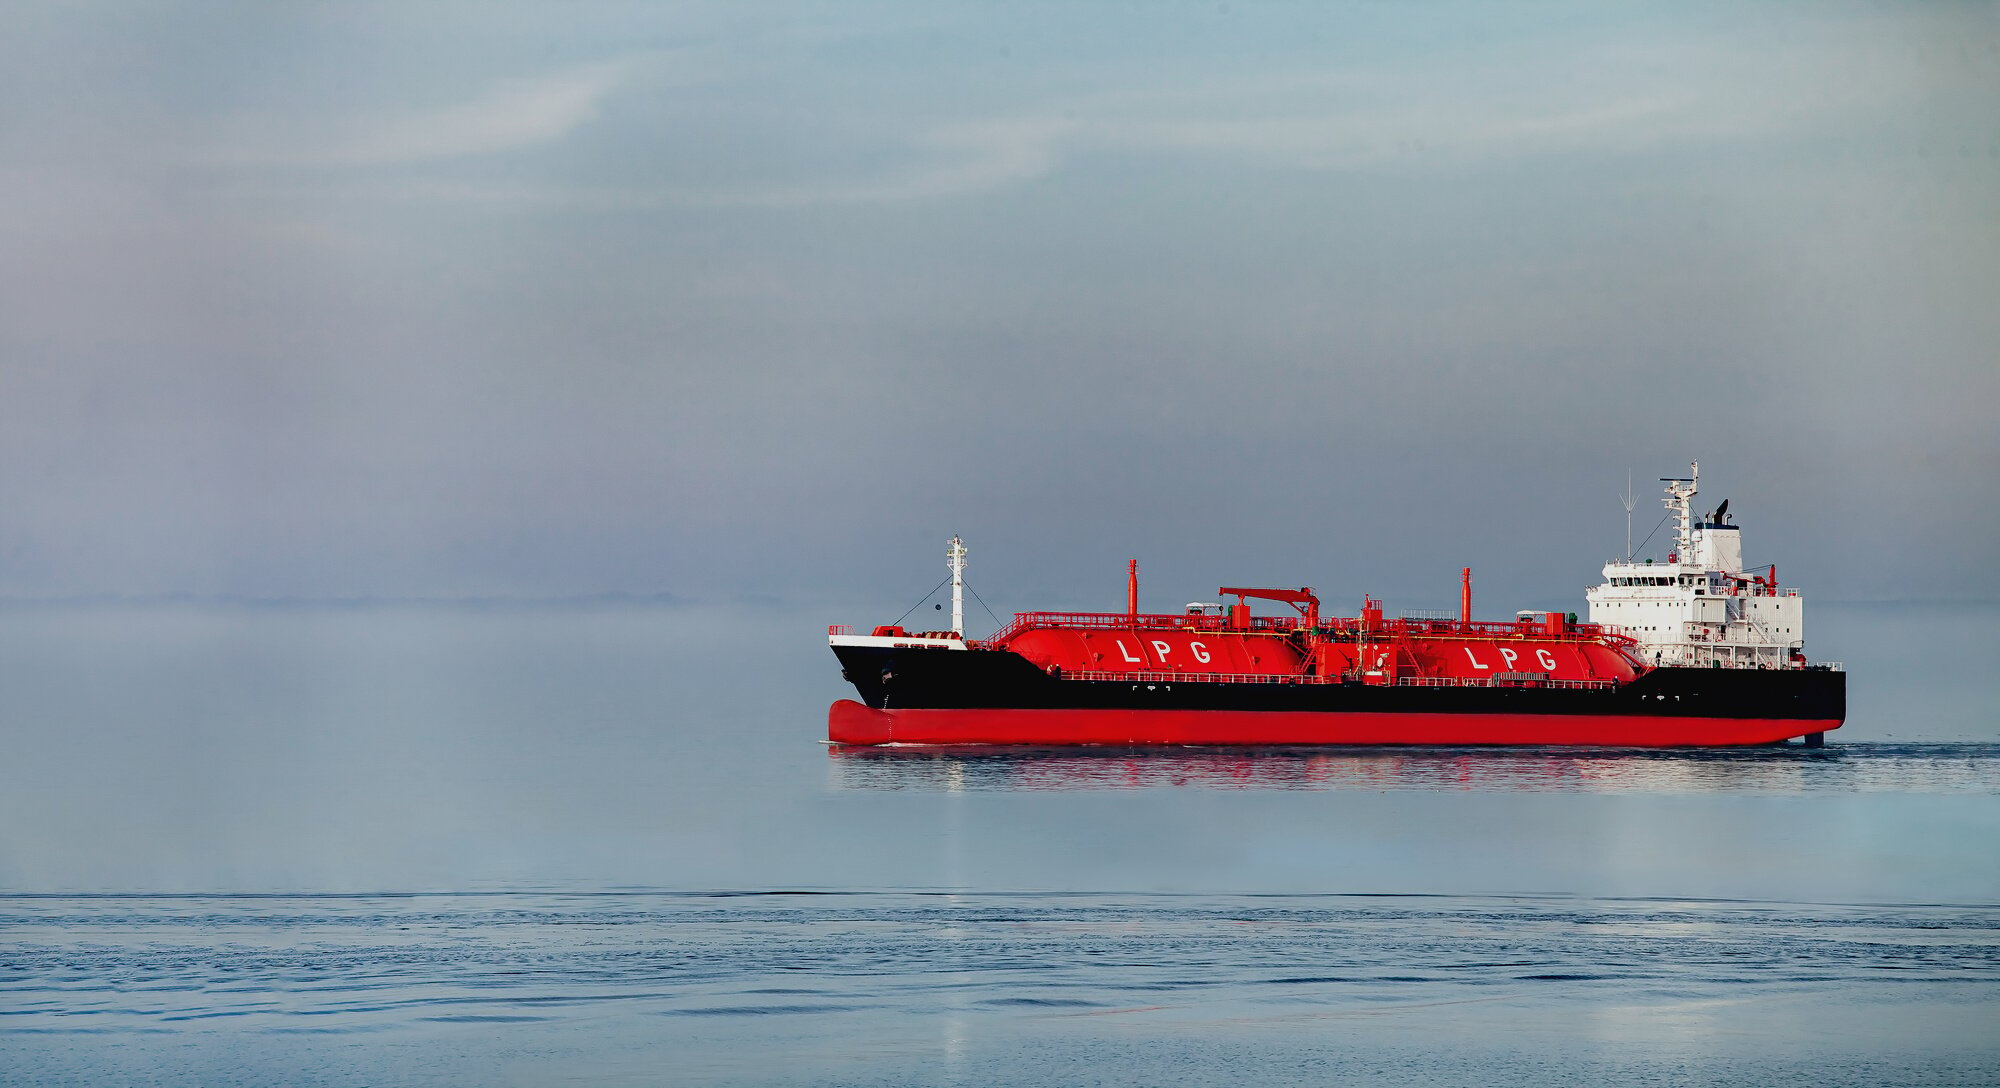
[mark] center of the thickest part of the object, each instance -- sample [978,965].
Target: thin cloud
[1354,120]
[508,115]
[1357,138]
[954,160]
[949,161]
[1481,106]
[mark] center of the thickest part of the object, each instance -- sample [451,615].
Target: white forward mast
[954,559]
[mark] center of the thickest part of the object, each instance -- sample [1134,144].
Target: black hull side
[935,678]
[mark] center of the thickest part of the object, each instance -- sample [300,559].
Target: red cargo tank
[1156,649]
[1565,659]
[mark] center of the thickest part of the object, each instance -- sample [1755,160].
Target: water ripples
[1857,768]
[192,964]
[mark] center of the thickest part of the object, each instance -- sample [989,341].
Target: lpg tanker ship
[1695,651]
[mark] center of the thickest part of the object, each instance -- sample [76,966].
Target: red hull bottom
[849,722]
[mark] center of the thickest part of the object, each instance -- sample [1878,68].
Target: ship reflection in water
[1927,768]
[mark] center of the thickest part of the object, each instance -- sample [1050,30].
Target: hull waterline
[849,722]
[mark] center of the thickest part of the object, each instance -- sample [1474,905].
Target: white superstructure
[1701,607]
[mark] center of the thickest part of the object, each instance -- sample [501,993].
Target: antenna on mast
[1628,498]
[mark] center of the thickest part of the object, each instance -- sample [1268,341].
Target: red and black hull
[981,696]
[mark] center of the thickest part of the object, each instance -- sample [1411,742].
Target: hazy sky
[729,301]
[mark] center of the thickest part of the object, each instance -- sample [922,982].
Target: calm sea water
[604,846]
[952,988]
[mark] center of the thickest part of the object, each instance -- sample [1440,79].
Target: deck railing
[1501,682]
[1119,621]
[1156,677]
[1335,628]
